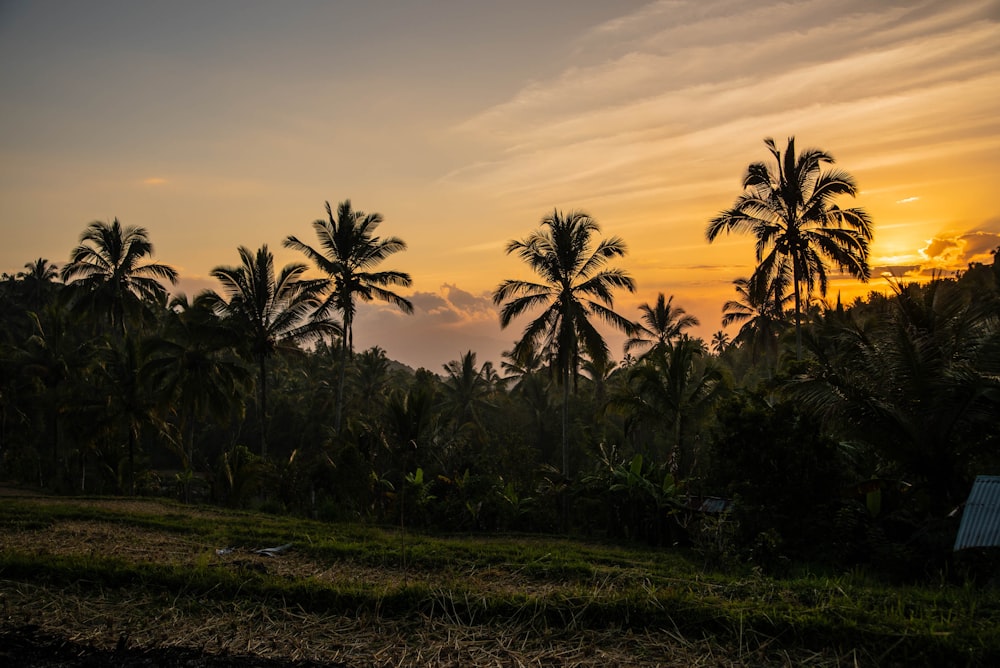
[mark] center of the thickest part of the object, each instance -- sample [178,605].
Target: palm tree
[518,368]
[660,324]
[789,208]
[720,341]
[56,354]
[576,285]
[193,370]
[271,312]
[108,265]
[348,253]
[130,401]
[38,279]
[527,381]
[466,391]
[761,309]
[669,388]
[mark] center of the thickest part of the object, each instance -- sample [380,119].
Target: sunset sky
[463,122]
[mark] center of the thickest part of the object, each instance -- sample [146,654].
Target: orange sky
[463,122]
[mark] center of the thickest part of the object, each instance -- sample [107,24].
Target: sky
[464,122]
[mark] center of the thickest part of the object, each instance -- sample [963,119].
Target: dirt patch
[74,537]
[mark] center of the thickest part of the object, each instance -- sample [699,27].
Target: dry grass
[101,619]
[446,632]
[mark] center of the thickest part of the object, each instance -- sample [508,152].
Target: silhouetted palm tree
[761,309]
[789,208]
[38,279]
[129,402]
[193,370]
[576,286]
[348,253]
[108,265]
[270,311]
[660,324]
[720,341]
[518,367]
[52,357]
[466,391]
[668,388]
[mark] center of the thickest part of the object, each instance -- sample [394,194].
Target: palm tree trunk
[565,425]
[565,451]
[189,437]
[262,404]
[131,461]
[345,345]
[798,311]
[679,468]
[55,444]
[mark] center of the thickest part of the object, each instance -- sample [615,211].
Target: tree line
[821,431]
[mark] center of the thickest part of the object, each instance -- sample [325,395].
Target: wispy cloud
[154,181]
[681,83]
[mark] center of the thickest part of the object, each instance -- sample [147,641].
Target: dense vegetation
[830,434]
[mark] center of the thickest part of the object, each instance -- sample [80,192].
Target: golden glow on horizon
[234,129]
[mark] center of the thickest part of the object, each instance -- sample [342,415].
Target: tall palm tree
[660,324]
[271,312]
[348,252]
[789,207]
[576,285]
[108,264]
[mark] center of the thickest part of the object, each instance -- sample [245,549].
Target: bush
[786,475]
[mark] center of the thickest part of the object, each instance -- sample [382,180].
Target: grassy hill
[146,582]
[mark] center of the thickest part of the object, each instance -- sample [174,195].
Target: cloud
[980,245]
[453,305]
[907,200]
[154,181]
[896,270]
[469,304]
[444,324]
[957,251]
[941,248]
[428,301]
[684,83]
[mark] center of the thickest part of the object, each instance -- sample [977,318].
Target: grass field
[147,582]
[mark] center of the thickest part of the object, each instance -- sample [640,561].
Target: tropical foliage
[854,452]
[789,207]
[577,287]
[348,253]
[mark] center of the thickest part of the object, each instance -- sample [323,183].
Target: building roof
[980,525]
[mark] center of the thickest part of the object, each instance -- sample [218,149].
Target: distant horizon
[464,123]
